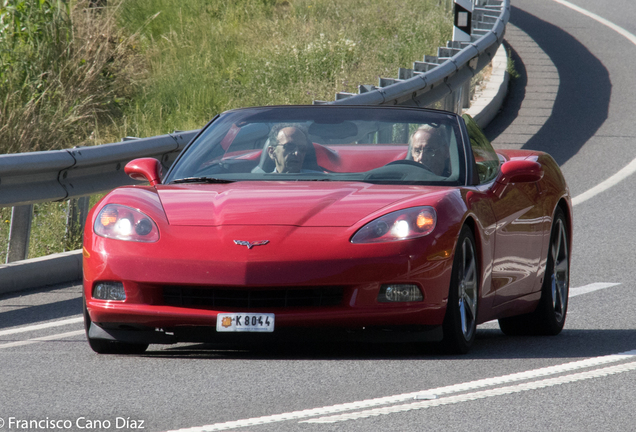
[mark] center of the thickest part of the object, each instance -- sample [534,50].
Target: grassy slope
[208,56]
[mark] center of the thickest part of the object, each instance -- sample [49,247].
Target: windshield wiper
[202,180]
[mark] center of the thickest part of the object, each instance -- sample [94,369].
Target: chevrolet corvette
[387,223]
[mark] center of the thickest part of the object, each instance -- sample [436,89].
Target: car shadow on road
[582,100]
[38,305]
[574,343]
[489,344]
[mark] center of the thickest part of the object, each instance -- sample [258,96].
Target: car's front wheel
[549,317]
[102,346]
[460,322]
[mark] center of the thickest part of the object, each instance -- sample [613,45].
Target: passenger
[287,148]
[429,147]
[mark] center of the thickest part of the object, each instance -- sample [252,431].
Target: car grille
[218,297]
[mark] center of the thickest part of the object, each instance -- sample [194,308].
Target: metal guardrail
[29,178]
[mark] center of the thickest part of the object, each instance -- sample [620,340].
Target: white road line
[590,288]
[605,185]
[534,385]
[600,19]
[73,320]
[631,167]
[473,385]
[42,339]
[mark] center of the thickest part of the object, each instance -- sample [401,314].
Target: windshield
[326,143]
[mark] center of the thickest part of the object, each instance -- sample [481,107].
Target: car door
[519,223]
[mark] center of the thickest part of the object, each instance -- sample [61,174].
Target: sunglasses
[293,147]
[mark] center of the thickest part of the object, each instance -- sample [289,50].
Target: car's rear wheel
[549,317]
[102,346]
[460,322]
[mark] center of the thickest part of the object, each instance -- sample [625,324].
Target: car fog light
[109,291]
[400,293]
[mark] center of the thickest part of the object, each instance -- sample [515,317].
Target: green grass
[205,57]
[48,229]
[64,72]
[510,67]
[83,76]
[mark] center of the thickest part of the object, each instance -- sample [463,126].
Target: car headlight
[400,225]
[124,223]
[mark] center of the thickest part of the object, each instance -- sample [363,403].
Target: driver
[429,147]
[287,148]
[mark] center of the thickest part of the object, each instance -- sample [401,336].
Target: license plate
[245,322]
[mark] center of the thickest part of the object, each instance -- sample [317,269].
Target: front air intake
[226,297]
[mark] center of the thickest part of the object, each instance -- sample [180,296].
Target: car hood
[308,204]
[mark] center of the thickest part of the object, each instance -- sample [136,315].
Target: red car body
[306,271]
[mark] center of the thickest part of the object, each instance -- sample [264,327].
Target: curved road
[574,98]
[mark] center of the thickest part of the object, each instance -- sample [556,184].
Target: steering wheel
[409,162]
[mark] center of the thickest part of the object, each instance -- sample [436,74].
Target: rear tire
[549,317]
[102,346]
[460,322]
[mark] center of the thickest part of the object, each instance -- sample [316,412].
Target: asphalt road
[574,99]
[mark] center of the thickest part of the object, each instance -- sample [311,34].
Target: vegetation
[82,72]
[510,67]
[208,56]
[63,71]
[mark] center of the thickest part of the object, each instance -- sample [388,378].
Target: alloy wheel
[560,273]
[468,289]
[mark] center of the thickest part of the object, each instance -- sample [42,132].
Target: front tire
[460,322]
[102,346]
[549,317]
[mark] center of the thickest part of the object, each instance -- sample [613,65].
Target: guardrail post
[452,101]
[19,233]
[76,213]
[385,135]
[466,95]
[84,206]
[462,28]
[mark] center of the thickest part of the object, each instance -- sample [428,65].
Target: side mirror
[520,171]
[144,169]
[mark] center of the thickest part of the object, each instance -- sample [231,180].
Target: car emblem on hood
[250,245]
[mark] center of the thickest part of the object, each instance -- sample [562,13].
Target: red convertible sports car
[385,222]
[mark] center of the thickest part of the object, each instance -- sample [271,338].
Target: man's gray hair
[273,133]
[432,130]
